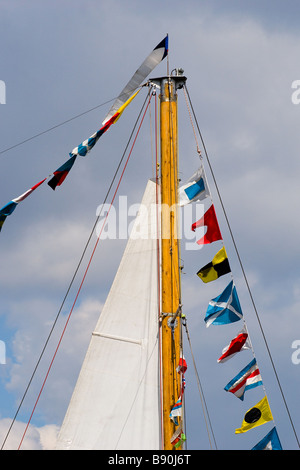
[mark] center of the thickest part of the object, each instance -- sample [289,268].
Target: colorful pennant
[10,207]
[257,415]
[209,220]
[245,380]
[269,442]
[125,97]
[61,173]
[225,308]
[216,268]
[196,189]
[237,344]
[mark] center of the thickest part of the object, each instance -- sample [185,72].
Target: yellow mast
[170,276]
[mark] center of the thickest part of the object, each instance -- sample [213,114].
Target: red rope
[158,266]
[83,279]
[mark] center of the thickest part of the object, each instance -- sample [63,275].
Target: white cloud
[36,438]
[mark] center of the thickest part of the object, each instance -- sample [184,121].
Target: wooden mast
[170,276]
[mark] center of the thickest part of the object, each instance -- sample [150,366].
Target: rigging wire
[53,127]
[78,266]
[202,398]
[243,271]
[60,124]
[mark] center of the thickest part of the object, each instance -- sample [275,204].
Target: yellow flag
[257,415]
[216,268]
[121,109]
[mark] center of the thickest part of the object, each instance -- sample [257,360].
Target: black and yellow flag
[257,415]
[216,268]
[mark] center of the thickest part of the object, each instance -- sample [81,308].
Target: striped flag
[248,378]
[176,411]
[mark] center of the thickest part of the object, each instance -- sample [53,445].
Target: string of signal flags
[225,309]
[128,93]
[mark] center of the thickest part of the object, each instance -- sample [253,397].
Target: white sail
[116,401]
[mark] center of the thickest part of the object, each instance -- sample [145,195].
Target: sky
[60,59]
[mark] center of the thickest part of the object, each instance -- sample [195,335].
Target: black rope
[202,397]
[60,124]
[74,275]
[243,271]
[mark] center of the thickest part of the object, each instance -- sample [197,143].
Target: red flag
[239,343]
[209,220]
[61,173]
[182,366]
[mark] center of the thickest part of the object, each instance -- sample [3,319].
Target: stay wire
[60,124]
[243,271]
[202,397]
[74,275]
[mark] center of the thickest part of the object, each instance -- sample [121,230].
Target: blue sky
[61,58]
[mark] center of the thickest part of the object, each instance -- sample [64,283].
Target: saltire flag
[269,442]
[196,189]
[153,59]
[248,378]
[89,143]
[216,268]
[237,344]
[176,411]
[10,207]
[209,220]
[255,416]
[61,173]
[225,308]
[178,438]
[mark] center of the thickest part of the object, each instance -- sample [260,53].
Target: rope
[158,263]
[202,398]
[191,120]
[74,276]
[244,274]
[58,125]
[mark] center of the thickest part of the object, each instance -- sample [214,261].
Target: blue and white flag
[176,411]
[225,308]
[196,189]
[269,442]
[248,378]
